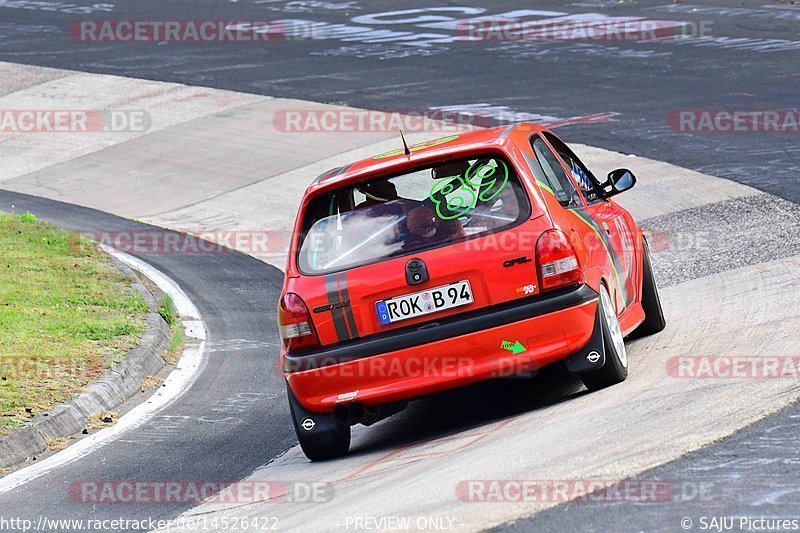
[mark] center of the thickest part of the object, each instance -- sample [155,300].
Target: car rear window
[405,214]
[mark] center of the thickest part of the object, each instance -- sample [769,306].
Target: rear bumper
[500,341]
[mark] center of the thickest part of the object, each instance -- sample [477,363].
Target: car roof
[396,161]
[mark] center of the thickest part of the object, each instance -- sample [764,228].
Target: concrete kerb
[119,384]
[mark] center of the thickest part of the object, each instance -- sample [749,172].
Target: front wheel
[616,368]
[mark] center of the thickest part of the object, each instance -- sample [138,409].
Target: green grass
[66,315]
[176,343]
[170,316]
[167,310]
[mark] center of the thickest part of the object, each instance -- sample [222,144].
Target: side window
[580,173]
[554,173]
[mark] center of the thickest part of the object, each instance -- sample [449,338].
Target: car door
[613,224]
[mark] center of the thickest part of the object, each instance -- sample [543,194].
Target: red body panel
[446,364]
[605,237]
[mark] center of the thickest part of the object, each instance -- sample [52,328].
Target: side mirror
[619,180]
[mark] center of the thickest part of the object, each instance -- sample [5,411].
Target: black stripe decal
[337,172]
[322,177]
[344,169]
[319,178]
[506,132]
[332,289]
[330,174]
[348,311]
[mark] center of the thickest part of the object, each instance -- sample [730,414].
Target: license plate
[424,302]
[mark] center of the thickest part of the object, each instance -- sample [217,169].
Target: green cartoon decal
[455,196]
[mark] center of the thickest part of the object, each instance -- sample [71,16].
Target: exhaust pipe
[349,414]
[353,413]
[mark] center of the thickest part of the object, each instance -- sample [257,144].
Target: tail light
[558,263]
[294,322]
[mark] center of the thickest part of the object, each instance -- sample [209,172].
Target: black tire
[328,440]
[615,370]
[654,320]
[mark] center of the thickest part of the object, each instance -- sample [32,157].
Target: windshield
[405,214]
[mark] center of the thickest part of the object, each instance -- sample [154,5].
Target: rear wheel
[616,368]
[651,303]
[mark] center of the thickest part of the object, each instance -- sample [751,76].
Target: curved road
[230,406]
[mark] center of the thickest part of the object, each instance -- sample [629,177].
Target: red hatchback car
[463,259]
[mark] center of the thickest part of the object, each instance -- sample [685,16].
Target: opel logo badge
[308,424]
[593,357]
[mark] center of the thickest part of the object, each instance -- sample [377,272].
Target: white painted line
[194,329]
[178,382]
[183,304]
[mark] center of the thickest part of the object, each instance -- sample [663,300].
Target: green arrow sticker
[513,347]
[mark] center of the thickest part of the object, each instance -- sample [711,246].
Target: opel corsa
[462,259]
